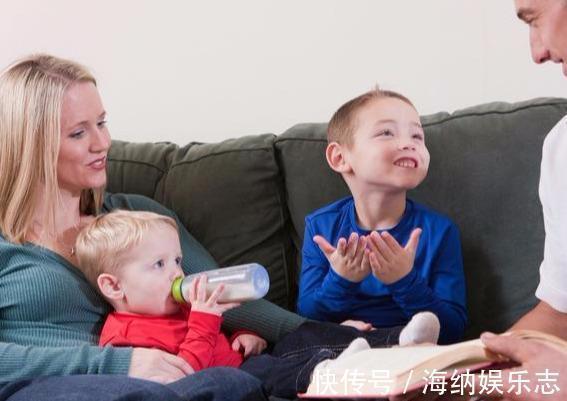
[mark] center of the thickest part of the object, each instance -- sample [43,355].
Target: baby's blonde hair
[103,243]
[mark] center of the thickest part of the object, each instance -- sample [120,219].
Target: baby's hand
[349,259]
[252,345]
[388,260]
[200,302]
[358,324]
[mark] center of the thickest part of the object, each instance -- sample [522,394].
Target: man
[547,21]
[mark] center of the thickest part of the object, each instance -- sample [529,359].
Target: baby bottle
[241,283]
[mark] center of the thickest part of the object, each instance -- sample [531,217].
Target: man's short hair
[102,244]
[342,125]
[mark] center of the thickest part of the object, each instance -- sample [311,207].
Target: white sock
[422,328]
[357,345]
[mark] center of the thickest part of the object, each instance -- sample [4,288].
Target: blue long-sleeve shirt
[436,282]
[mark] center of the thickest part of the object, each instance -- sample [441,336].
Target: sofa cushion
[229,196]
[139,168]
[483,174]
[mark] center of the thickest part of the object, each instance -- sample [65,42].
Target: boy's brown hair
[102,244]
[342,125]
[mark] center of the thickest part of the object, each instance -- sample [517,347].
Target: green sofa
[245,199]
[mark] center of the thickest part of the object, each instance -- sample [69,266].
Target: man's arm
[544,318]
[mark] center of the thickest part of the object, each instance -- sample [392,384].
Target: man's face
[547,20]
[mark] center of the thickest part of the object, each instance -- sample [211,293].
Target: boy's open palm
[390,261]
[201,303]
[349,259]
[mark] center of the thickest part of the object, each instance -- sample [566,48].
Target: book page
[382,371]
[391,371]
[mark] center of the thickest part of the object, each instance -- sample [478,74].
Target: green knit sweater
[50,316]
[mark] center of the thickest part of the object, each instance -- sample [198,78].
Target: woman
[53,147]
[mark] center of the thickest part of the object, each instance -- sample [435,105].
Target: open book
[382,372]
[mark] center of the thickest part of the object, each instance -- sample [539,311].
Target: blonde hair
[101,246]
[31,95]
[342,125]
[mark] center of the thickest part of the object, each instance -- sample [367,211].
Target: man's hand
[200,302]
[157,366]
[249,344]
[349,259]
[536,358]
[390,261]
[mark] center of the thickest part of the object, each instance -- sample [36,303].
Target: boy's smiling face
[388,150]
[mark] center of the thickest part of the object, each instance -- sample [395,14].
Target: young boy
[354,263]
[133,258]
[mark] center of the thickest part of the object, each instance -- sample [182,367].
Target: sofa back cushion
[229,195]
[483,174]
[139,168]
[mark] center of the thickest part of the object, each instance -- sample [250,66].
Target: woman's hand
[200,302]
[251,344]
[158,366]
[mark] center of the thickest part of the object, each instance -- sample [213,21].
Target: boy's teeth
[405,163]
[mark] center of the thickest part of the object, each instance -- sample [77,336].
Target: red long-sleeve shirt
[195,336]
